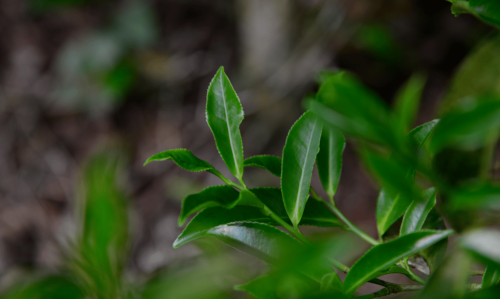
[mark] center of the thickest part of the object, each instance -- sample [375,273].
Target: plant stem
[351,226]
[413,276]
[227,181]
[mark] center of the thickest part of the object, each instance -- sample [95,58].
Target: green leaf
[299,154]
[257,239]
[329,159]
[213,217]
[277,286]
[406,102]
[484,245]
[183,158]
[491,276]
[397,192]
[267,162]
[383,256]
[103,244]
[54,287]
[435,254]
[450,279]
[224,196]
[469,128]
[486,10]
[315,213]
[417,212]
[476,196]
[224,116]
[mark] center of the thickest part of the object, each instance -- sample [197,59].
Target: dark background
[77,76]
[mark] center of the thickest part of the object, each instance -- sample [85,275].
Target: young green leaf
[267,162]
[491,276]
[224,116]
[183,158]
[484,245]
[213,217]
[383,256]
[421,133]
[406,102]
[258,239]
[224,196]
[299,154]
[417,212]
[329,159]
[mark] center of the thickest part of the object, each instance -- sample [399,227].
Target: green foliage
[329,159]
[486,10]
[267,162]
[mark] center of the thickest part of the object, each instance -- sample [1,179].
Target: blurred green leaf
[417,212]
[488,293]
[385,255]
[267,162]
[378,40]
[224,116]
[491,276]
[183,158]
[398,189]
[484,245]
[224,196]
[469,128]
[476,196]
[450,279]
[53,287]
[299,155]
[104,240]
[407,101]
[277,286]
[329,159]
[343,102]
[435,254]
[486,10]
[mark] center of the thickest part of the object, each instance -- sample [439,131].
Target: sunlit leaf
[224,116]
[417,212]
[385,255]
[267,162]
[329,159]
[299,155]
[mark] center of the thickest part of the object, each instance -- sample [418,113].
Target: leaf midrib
[228,127]
[296,210]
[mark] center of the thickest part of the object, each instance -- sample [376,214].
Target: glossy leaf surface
[299,155]
[484,245]
[224,196]
[383,256]
[329,159]
[315,213]
[267,162]
[258,239]
[224,116]
[183,158]
[406,102]
[213,217]
[417,212]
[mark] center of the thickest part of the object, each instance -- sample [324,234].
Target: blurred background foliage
[83,76]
